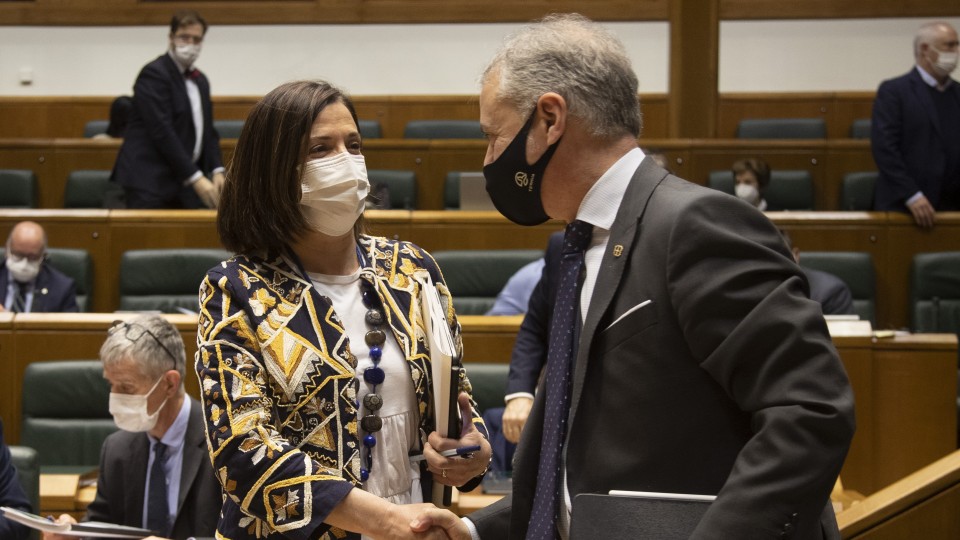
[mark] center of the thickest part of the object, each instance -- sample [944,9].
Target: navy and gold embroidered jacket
[278,385]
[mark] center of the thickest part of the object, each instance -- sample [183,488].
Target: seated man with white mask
[154,472]
[27,281]
[752,177]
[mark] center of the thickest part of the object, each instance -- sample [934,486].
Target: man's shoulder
[55,276]
[900,81]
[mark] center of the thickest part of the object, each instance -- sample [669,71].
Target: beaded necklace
[374,375]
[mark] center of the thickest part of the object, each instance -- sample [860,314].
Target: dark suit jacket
[727,383]
[908,145]
[12,495]
[53,292]
[123,473]
[830,292]
[156,154]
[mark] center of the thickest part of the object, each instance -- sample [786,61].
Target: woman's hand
[457,471]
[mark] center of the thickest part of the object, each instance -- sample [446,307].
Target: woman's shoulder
[408,256]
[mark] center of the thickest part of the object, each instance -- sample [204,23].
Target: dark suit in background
[53,291]
[704,389]
[914,146]
[123,470]
[11,495]
[830,292]
[155,158]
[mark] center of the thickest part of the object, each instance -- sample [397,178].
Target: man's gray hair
[149,341]
[579,60]
[927,33]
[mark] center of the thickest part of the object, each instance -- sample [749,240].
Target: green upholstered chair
[228,129]
[860,128]
[935,292]
[401,186]
[94,128]
[18,188]
[475,277]
[166,280]
[77,264]
[442,129]
[451,191]
[65,412]
[782,128]
[86,188]
[489,383]
[856,190]
[856,270]
[26,461]
[788,189]
[370,129]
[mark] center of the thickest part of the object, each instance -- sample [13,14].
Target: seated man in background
[830,291]
[154,472]
[752,177]
[27,281]
[11,495]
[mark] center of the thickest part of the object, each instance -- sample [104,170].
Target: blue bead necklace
[374,375]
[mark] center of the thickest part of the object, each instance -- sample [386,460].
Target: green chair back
[860,128]
[86,188]
[856,190]
[782,128]
[442,129]
[401,186]
[370,129]
[77,264]
[18,188]
[165,280]
[489,382]
[856,270]
[476,277]
[94,128]
[26,461]
[228,129]
[935,292]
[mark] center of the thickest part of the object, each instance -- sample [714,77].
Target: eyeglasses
[32,257]
[134,332]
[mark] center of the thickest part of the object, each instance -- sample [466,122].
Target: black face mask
[513,185]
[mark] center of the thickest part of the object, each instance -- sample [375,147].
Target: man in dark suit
[170,144]
[155,472]
[698,365]
[915,129]
[27,281]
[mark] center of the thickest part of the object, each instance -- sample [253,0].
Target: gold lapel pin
[617,250]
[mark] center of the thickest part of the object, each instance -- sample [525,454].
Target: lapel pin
[43,290]
[617,250]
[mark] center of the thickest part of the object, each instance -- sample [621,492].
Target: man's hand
[457,471]
[208,193]
[218,179]
[515,416]
[64,518]
[923,212]
[441,519]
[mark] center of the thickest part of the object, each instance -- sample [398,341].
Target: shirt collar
[599,206]
[177,431]
[932,82]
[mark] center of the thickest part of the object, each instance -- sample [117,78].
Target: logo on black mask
[511,171]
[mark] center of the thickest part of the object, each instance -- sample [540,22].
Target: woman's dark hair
[120,111]
[259,210]
[758,167]
[186,17]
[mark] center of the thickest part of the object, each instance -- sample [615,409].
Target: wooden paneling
[694,67]
[838,110]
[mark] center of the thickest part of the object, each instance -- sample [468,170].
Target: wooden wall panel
[839,110]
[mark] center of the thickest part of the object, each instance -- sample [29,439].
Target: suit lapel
[922,92]
[40,291]
[140,449]
[194,452]
[622,235]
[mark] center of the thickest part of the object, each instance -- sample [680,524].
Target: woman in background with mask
[752,177]
[314,373]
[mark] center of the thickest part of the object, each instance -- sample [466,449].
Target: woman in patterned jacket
[312,358]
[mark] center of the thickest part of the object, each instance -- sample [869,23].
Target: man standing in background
[915,131]
[170,145]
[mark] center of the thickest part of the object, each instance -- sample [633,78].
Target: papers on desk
[90,529]
[848,326]
[444,364]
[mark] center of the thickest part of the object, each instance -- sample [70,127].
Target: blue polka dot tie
[546,501]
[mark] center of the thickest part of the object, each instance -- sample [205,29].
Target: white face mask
[946,61]
[130,411]
[23,270]
[334,190]
[748,193]
[187,54]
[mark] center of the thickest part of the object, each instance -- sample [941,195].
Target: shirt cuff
[471,527]
[508,397]
[218,170]
[915,198]
[193,179]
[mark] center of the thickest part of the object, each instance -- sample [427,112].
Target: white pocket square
[627,312]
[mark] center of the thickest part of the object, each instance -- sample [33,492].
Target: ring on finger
[443,473]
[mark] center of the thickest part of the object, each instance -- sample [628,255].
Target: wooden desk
[64,494]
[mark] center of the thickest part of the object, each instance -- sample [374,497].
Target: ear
[552,112]
[173,380]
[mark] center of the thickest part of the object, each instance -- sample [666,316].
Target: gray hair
[150,341]
[927,34]
[578,59]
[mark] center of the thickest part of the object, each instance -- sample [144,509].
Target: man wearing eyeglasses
[154,472]
[170,156]
[27,281]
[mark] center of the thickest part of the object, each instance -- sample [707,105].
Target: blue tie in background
[158,511]
[563,325]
